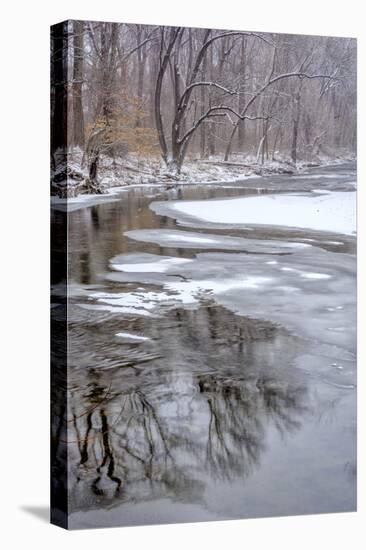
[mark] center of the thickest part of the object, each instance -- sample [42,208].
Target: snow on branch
[215,111]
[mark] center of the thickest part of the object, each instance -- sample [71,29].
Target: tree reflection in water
[169,416]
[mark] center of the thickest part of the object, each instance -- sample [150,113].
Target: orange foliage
[120,125]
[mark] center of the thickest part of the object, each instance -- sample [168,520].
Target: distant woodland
[170,95]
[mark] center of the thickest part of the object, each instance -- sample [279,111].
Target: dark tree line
[179,93]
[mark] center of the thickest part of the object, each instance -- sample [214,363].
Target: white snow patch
[143,303]
[190,238]
[185,292]
[322,242]
[315,276]
[128,299]
[334,212]
[189,288]
[114,309]
[307,275]
[129,336]
[184,239]
[330,308]
[159,266]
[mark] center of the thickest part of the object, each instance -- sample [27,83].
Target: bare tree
[77,84]
[137,90]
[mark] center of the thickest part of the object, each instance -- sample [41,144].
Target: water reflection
[96,234]
[197,406]
[167,417]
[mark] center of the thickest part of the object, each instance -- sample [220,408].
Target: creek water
[211,367]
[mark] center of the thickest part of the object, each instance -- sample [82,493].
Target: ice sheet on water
[146,263]
[318,281]
[307,274]
[334,211]
[83,201]
[127,336]
[144,302]
[190,239]
[125,310]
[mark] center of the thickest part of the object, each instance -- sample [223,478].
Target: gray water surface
[220,382]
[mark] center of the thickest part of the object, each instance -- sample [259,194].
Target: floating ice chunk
[182,292]
[189,288]
[138,303]
[315,276]
[84,201]
[323,242]
[188,239]
[116,309]
[142,303]
[133,337]
[336,366]
[192,239]
[335,211]
[131,299]
[155,263]
[306,275]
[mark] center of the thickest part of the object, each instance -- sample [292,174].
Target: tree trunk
[141,60]
[275,143]
[295,128]
[211,125]
[93,168]
[59,75]
[158,89]
[241,98]
[77,84]
[202,99]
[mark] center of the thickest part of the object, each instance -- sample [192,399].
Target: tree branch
[208,114]
[210,84]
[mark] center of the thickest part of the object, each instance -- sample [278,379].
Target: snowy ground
[134,170]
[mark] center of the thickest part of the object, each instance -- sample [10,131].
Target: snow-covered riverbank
[132,170]
[315,179]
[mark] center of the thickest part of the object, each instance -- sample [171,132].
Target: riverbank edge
[196,172]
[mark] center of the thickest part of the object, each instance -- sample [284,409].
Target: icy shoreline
[120,174]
